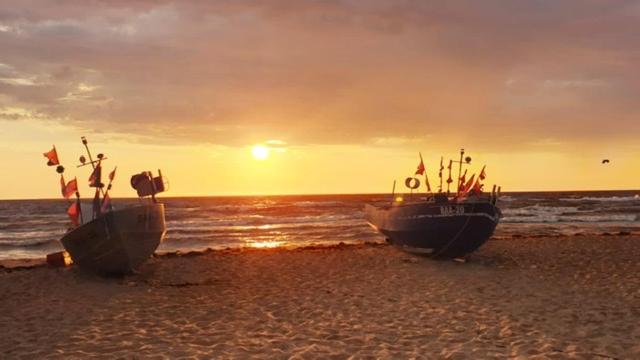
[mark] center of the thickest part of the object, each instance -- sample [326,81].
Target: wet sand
[546,297]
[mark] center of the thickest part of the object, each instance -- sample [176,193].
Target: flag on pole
[468,185]
[52,156]
[421,168]
[477,187]
[462,181]
[74,213]
[112,174]
[483,174]
[422,171]
[70,188]
[94,179]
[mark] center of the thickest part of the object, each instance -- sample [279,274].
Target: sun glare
[260,152]
[266,244]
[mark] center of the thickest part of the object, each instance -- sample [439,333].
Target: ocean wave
[603,198]
[553,218]
[28,242]
[320,203]
[537,210]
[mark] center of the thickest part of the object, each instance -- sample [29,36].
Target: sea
[32,228]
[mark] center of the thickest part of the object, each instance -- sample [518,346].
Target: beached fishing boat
[441,224]
[113,241]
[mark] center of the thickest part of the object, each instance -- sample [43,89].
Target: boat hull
[119,241]
[438,230]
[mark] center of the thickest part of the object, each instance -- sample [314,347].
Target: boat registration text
[451,210]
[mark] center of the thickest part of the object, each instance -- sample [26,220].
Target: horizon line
[326,194]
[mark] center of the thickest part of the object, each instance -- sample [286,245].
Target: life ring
[412,183]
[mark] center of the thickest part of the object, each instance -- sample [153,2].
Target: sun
[260,152]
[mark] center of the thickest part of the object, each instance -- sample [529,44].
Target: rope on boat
[457,235]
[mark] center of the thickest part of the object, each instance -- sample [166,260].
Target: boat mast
[99,188]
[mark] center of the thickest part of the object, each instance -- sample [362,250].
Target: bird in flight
[605,161]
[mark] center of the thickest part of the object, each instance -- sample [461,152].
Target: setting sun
[260,152]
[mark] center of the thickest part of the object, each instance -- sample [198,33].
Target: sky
[342,94]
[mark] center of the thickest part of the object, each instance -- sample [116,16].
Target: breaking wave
[604,198]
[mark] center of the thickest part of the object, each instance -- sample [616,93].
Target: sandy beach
[529,298]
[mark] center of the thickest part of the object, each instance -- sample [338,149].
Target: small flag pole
[449,178]
[93,165]
[104,198]
[460,169]
[426,179]
[440,175]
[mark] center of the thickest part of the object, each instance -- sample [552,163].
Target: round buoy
[412,183]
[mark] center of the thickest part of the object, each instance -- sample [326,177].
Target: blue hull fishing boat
[441,224]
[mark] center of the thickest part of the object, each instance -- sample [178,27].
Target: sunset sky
[342,95]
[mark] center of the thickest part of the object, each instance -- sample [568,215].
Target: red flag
[468,185]
[70,188]
[74,213]
[462,181]
[421,168]
[94,179]
[483,174]
[477,187]
[106,203]
[52,156]
[112,174]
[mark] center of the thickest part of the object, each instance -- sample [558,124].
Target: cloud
[320,72]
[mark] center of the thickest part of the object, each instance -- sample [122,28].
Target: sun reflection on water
[267,244]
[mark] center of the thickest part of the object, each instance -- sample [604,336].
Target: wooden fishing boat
[440,224]
[114,241]
[118,241]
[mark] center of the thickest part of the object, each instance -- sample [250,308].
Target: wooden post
[393,192]
[460,169]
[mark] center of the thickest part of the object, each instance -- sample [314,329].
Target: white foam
[604,198]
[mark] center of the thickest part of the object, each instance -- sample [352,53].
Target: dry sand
[530,298]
